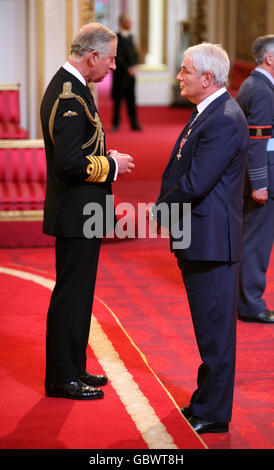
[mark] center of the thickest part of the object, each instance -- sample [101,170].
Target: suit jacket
[127,56]
[78,170]
[256,98]
[210,176]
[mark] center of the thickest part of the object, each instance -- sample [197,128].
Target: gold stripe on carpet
[137,405]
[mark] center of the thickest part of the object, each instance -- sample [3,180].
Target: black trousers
[125,91]
[69,314]
[212,291]
[258,236]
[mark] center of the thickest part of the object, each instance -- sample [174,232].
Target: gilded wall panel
[251,22]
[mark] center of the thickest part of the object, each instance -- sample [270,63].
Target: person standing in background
[124,77]
[256,98]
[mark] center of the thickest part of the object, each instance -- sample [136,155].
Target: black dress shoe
[136,127]
[202,426]
[76,390]
[264,317]
[187,411]
[93,380]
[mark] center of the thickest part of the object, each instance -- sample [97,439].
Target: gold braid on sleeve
[97,169]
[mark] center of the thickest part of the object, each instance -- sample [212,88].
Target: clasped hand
[124,161]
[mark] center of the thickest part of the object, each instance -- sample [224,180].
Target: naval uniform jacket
[210,176]
[256,98]
[78,169]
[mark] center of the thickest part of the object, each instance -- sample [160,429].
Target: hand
[154,228]
[124,162]
[132,70]
[260,195]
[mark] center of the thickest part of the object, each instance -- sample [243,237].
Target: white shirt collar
[124,32]
[67,66]
[266,73]
[201,106]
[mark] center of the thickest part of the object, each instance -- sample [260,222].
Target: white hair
[92,36]
[213,58]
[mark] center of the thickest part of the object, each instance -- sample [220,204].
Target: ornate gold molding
[69,24]
[86,11]
[9,86]
[270,17]
[21,216]
[21,143]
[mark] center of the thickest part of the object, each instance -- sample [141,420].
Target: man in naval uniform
[256,98]
[79,171]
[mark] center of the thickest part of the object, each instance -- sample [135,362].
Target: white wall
[13,48]
[155,87]
[55,43]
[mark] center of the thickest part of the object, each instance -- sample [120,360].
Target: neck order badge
[193,118]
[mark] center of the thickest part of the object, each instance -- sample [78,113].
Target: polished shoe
[76,390]
[93,380]
[202,426]
[187,411]
[264,317]
[136,127]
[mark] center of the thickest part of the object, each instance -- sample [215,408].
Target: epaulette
[98,136]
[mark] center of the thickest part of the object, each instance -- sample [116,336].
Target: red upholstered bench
[10,112]
[22,192]
[22,175]
[239,72]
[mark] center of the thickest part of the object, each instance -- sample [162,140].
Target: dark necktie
[192,118]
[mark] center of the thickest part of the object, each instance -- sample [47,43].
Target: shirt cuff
[116,170]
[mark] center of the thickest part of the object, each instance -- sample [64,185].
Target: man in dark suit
[79,171]
[256,98]
[206,169]
[124,76]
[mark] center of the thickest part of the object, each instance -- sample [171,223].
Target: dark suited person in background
[207,168]
[256,98]
[124,81]
[79,171]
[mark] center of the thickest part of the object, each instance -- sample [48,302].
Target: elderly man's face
[190,84]
[103,64]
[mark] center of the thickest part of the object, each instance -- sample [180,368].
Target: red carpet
[141,311]
[139,283]
[137,412]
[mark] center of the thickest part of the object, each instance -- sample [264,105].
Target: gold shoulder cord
[98,167]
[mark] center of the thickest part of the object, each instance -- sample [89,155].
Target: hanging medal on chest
[183,141]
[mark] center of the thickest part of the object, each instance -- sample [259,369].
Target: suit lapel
[196,124]
[210,109]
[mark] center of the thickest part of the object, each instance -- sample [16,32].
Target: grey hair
[92,36]
[213,58]
[261,46]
